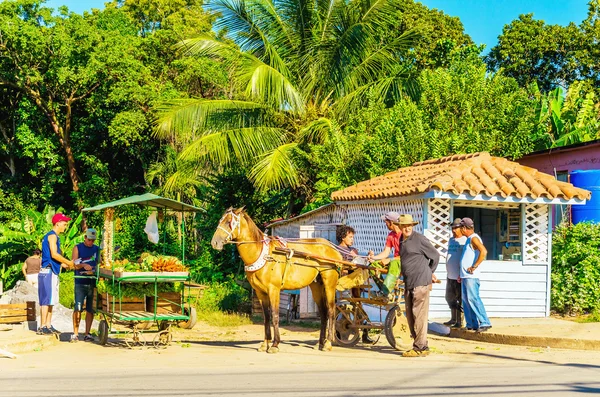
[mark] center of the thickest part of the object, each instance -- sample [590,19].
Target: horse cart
[132,296]
[354,314]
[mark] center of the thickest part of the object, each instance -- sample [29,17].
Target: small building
[509,203]
[561,162]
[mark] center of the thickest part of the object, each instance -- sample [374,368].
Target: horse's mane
[257,234]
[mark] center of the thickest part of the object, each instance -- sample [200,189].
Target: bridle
[234,223]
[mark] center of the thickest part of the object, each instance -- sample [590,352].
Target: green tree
[300,69]
[566,120]
[532,51]
[461,109]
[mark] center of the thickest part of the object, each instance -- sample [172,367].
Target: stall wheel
[103,332]
[163,339]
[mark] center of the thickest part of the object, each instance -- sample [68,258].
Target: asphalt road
[236,369]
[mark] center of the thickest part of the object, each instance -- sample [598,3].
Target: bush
[227,296]
[66,290]
[576,269]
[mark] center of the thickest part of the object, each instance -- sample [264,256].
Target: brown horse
[269,272]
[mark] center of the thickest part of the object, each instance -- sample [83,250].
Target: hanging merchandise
[151,228]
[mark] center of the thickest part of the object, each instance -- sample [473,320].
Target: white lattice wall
[371,231]
[438,224]
[535,232]
[365,218]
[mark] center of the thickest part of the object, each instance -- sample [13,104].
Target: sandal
[415,353]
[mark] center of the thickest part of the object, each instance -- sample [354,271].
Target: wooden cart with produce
[134,295]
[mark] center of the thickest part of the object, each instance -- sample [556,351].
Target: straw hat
[406,219]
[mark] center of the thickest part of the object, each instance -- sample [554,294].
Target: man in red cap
[52,262]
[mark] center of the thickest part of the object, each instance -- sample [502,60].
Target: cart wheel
[103,332]
[134,338]
[396,328]
[345,333]
[189,324]
[163,339]
[374,335]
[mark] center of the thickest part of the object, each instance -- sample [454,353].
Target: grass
[222,319]
[588,318]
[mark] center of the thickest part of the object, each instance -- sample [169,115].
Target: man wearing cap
[453,287]
[393,238]
[52,262]
[419,261]
[85,256]
[473,254]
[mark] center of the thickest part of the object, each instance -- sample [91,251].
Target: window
[500,230]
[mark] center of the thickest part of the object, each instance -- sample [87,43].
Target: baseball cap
[90,234]
[467,222]
[456,223]
[59,217]
[390,216]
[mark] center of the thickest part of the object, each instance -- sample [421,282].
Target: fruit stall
[136,293]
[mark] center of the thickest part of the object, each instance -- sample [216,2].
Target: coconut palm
[302,68]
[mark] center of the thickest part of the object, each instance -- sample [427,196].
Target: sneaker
[74,339]
[46,331]
[54,330]
[88,338]
[415,353]
[39,331]
[483,329]
[450,322]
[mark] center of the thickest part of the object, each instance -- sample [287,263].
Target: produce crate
[164,304]
[127,303]
[109,273]
[17,312]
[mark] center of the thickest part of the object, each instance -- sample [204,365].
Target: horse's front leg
[274,295]
[266,307]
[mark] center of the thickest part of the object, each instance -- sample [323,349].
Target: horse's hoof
[273,350]
[263,348]
[327,347]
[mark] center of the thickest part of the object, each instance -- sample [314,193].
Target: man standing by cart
[419,261]
[52,262]
[85,256]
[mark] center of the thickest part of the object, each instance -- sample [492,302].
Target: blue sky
[483,19]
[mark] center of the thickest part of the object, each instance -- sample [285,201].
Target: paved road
[236,369]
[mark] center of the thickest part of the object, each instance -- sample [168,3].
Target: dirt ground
[226,343]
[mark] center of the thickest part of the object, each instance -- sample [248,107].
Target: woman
[31,267]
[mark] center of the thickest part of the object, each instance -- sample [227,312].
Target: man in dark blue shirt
[85,257]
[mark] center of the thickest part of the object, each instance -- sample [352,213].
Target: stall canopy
[148,199]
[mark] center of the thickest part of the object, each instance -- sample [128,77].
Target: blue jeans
[475,315]
[84,293]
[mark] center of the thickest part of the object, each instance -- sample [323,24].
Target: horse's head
[228,229]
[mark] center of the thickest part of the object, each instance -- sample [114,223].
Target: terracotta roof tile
[473,174]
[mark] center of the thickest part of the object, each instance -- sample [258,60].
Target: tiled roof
[472,174]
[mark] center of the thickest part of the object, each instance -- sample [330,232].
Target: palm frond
[268,85]
[242,144]
[276,169]
[191,116]
[319,131]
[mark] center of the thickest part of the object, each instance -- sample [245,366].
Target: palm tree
[302,68]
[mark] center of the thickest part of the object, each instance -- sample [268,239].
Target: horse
[269,272]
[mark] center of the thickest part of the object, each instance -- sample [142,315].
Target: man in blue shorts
[52,262]
[85,256]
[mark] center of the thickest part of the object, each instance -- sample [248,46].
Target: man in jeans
[453,287]
[419,260]
[473,254]
[85,256]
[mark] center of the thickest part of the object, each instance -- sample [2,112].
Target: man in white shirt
[453,287]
